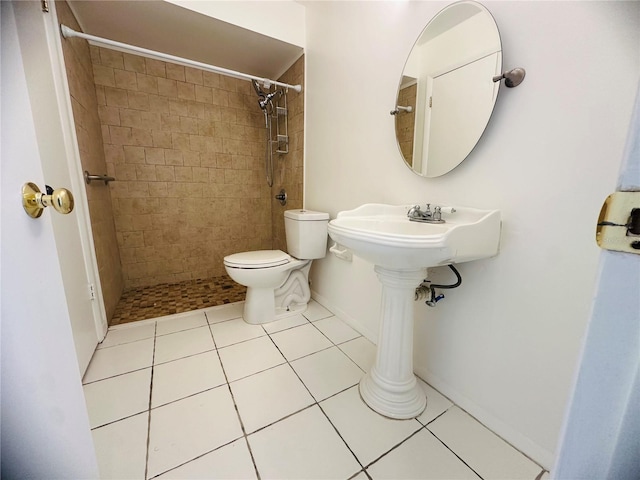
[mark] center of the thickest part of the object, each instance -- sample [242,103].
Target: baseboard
[535,452]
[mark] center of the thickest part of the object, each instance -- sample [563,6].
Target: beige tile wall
[88,131]
[187,150]
[289,168]
[405,122]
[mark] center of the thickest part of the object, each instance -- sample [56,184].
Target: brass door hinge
[619,223]
[45,5]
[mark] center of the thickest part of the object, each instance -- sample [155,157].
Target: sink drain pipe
[428,289]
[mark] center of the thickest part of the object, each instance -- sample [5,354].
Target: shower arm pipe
[70,33]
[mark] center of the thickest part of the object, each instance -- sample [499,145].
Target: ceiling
[168,28]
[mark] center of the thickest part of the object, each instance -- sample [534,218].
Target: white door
[461,102]
[44,427]
[39,41]
[601,432]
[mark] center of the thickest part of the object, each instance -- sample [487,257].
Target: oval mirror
[448,83]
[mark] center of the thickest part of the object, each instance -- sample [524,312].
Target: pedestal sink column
[390,388]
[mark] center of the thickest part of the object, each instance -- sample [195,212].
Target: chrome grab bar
[103,178]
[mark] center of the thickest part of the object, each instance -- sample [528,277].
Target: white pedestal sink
[401,251]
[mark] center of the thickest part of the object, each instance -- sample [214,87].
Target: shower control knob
[282,197]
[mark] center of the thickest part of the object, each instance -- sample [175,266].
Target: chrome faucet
[415,214]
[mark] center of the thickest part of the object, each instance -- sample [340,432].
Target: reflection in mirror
[448,82]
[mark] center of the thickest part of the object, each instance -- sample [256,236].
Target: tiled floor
[206,395]
[143,303]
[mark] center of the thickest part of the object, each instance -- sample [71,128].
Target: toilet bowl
[278,282]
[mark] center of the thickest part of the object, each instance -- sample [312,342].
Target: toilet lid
[257,259]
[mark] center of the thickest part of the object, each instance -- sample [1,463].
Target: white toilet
[278,283]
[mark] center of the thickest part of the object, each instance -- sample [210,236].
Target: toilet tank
[306,233]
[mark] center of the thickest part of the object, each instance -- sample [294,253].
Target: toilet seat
[257,259]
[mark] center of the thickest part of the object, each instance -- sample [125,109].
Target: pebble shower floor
[206,395]
[143,303]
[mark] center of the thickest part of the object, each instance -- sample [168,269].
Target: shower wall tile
[90,111]
[405,122]
[187,150]
[288,168]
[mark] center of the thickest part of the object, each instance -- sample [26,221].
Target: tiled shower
[186,148]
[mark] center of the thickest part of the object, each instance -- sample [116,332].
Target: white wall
[283,19]
[504,345]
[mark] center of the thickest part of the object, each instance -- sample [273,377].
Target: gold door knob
[34,201]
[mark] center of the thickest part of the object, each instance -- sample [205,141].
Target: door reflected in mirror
[448,82]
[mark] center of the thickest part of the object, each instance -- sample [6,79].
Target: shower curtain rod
[69,33]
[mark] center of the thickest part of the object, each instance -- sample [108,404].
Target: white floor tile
[315,311]
[300,341]
[191,427]
[285,323]
[480,448]
[436,403]
[108,362]
[182,344]
[118,397]
[336,330]
[121,448]
[235,331]
[268,396]
[247,358]
[327,372]
[180,322]
[128,333]
[361,351]
[222,313]
[231,462]
[422,456]
[303,446]
[368,434]
[186,376]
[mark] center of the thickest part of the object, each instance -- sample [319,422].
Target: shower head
[256,87]
[264,99]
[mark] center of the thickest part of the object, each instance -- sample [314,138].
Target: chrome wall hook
[512,78]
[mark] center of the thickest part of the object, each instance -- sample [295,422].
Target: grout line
[541,474]
[186,356]
[422,427]
[182,330]
[318,404]
[352,360]
[196,458]
[153,357]
[284,418]
[119,419]
[235,406]
[117,374]
[458,456]
[341,438]
[188,396]
[437,416]
[124,343]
